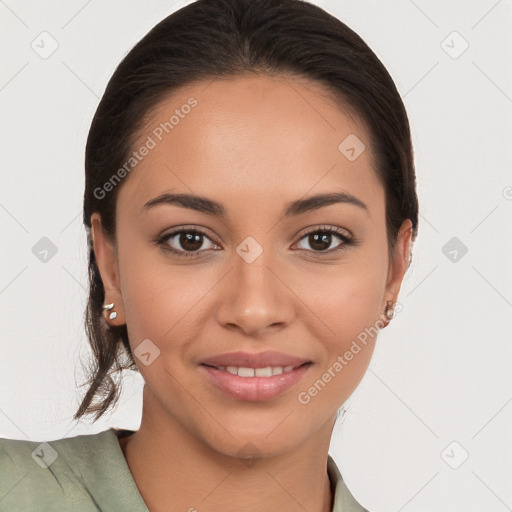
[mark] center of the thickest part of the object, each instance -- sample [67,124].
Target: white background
[441,370]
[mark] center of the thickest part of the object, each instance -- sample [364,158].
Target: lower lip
[254,389]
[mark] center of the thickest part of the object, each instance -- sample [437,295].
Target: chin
[249,450]
[256,438]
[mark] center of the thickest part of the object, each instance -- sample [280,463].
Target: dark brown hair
[211,39]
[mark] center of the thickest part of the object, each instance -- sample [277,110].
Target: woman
[250,205]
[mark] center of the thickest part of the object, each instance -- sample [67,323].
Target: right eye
[190,240]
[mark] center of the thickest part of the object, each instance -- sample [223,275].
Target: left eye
[321,239]
[190,240]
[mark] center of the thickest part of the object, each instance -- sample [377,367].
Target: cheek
[348,312]
[348,341]
[160,301]
[345,319]
[345,298]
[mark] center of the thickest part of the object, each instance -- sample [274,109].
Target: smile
[254,384]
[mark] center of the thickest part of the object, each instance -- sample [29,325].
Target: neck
[171,466]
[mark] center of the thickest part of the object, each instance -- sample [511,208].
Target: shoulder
[49,475]
[344,501]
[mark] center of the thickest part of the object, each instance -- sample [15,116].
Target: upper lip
[255,360]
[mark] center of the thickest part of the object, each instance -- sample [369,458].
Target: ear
[398,265]
[106,259]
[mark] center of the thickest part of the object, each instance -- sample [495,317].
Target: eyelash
[352,241]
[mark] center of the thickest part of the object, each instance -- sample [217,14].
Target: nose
[256,297]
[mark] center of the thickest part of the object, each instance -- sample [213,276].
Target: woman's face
[264,276]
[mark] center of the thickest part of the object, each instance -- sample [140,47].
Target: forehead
[257,139]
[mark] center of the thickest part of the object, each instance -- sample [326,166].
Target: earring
[108,307]
[390,312]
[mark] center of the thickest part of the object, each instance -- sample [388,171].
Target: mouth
[254,384]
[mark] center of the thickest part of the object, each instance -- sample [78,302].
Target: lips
[253,389]
[269,358]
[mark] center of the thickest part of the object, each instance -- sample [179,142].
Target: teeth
[263,372]
[269,371]
[245,372]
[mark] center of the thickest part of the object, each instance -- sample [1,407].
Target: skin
[267,141]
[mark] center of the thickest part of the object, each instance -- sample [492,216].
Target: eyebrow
[214,208]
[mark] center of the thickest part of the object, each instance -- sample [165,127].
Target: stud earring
[390,312]
[108,307]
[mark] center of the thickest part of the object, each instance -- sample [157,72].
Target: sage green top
[89,473]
